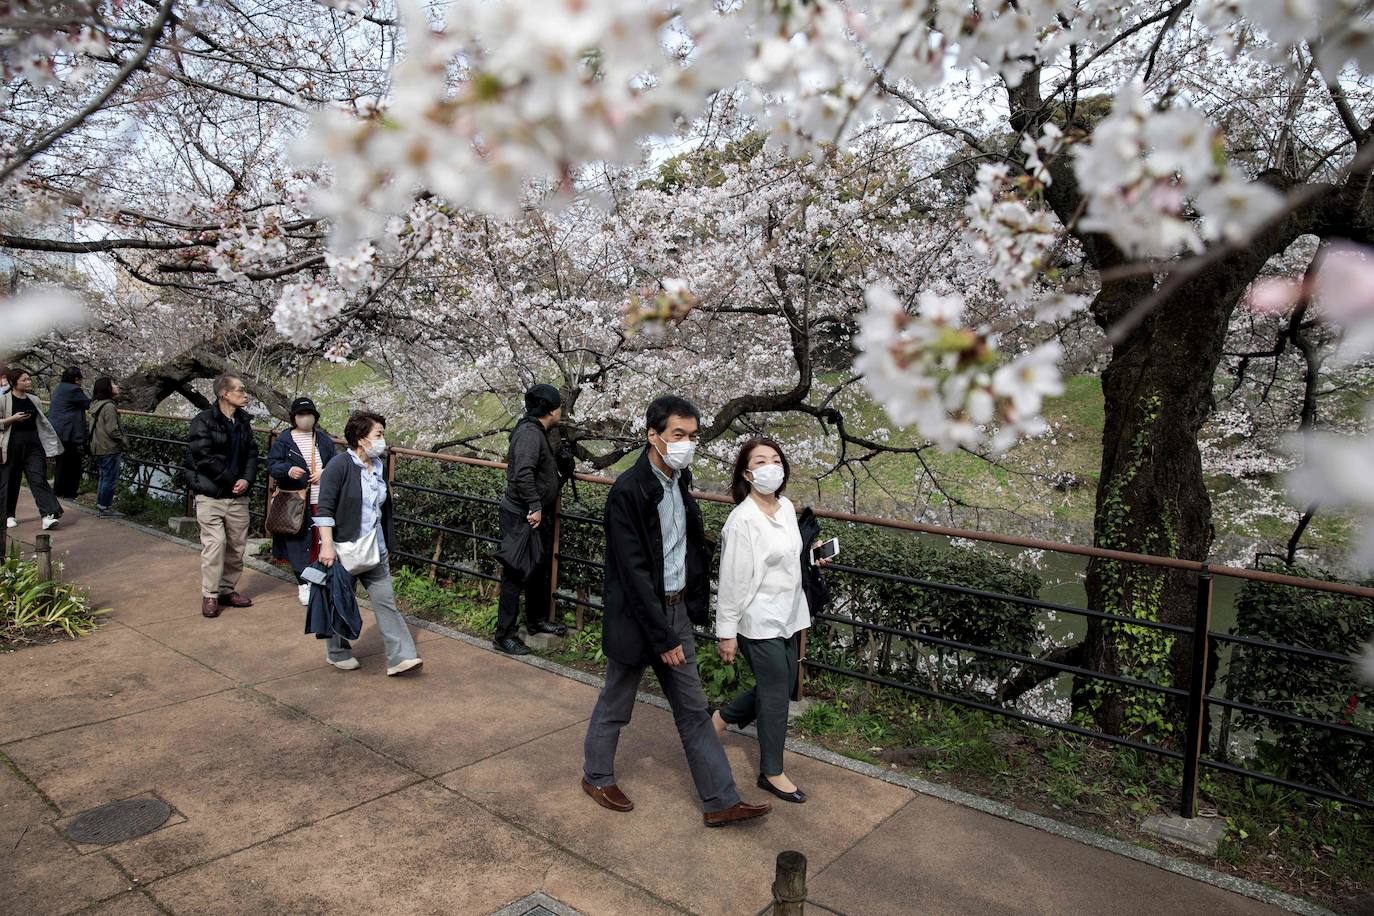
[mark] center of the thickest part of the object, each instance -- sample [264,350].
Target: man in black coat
[221,464]
[657,586]
[67,414]
[528,510]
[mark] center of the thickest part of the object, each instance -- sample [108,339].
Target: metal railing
[1196,700]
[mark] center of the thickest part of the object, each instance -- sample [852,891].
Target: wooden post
[789,885]
[42,544]
[553,569]
[799,689]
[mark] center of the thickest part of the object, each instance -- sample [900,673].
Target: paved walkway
[303,789]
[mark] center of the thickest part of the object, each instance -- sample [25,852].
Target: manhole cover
[537,904]
[119,821]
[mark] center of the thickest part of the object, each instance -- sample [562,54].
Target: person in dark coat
[355,504]
[657,586]
[532,485]
[67,413]
[295,462]
[220,467]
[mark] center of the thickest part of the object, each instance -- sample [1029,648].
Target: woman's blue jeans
[109,476]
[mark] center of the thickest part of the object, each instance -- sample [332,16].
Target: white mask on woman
[305,422]
[767,478]
[376,448]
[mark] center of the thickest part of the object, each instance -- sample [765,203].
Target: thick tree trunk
[1152,498]
[150,386]
[1151,495]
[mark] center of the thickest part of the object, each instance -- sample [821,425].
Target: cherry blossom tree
[460,196]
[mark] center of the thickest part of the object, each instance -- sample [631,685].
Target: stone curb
[805,748]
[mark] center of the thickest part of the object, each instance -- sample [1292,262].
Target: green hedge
[1317,689]
[963,618]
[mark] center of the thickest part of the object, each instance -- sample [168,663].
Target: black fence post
[789,885]
[1197,694]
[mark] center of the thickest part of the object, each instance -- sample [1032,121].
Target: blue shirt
[374,494]
[672,521]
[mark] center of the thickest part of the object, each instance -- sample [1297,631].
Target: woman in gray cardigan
[355,501]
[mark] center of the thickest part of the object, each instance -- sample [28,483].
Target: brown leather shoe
[740,811]
[234,599]
[209,607]
[608,796]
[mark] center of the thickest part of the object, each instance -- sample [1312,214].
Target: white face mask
[678,455]
[767,478]
[305,421]
[376,448]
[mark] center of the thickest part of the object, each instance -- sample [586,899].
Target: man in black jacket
[657,586]
[67,413]
[530,502]
[221,464]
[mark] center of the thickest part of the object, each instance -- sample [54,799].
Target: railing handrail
[1100,553]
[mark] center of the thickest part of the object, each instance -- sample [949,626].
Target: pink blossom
[1344,285]
[1273,297]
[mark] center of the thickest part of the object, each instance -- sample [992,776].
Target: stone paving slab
[662,843]
[40,872]
[939,859]
[266,641]
[115,673]
[129,903]
[240,767]
[464,705]
[420,850]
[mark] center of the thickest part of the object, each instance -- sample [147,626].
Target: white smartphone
[826,550]
[311,574]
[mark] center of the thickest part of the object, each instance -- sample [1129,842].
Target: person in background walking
[67,411]
[27,440]
[657,585]
[107,443]
[355,502]
[295,462]
[532,485]
[221,464]
[760,606]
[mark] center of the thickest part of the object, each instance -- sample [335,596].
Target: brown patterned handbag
[286,508]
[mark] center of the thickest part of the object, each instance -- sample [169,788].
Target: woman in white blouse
[761,609]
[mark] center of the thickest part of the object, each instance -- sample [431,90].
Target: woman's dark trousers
[774,663]
[66,478]
[25,458]
[535,586]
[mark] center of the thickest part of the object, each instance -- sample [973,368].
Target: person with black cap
[532,484]
[294,463]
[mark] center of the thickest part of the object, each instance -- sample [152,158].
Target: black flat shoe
[511,646]
[795,798]
[548,626]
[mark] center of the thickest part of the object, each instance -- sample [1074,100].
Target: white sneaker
[51,521]
[303,593]
[11,522]
[409,664]
[348,664]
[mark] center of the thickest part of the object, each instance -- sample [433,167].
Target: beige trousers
[223,537]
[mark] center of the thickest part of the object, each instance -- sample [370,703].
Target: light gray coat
[52,445]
